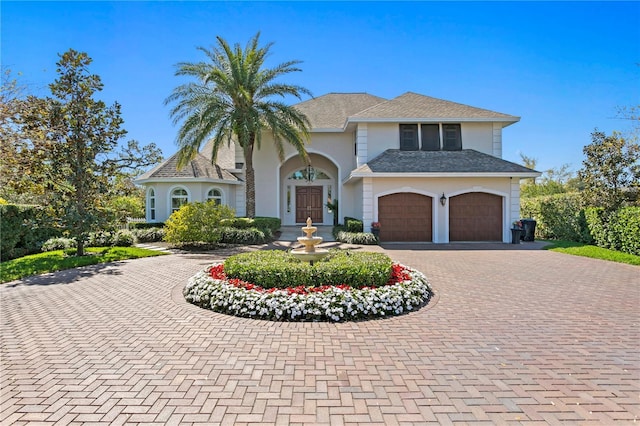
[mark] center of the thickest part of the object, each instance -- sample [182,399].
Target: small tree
[611,171]
[83,131]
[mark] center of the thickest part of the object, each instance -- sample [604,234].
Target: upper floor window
[215,195]
[409,137]
[451,137]
[179,197]
[429,139]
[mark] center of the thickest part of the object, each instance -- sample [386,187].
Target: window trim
[171,197]
[151,204]
[219,199]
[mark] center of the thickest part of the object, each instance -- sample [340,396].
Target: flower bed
[407,290]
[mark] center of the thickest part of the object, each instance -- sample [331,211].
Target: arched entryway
[306,190]
[405,216]
[475,216]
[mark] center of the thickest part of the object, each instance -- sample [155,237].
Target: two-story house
[427,169]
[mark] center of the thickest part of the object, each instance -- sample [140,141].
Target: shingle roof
[199,167]
[331,110]
[464,161]
[415,106]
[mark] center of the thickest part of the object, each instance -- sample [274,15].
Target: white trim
[186,181]
[506,236]
[519,175]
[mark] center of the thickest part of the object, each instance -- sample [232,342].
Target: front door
[309,204]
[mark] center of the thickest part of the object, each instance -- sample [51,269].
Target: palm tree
[233,99]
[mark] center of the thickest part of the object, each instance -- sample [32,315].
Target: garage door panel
[405,217]
[475,216]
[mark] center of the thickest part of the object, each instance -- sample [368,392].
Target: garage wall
[435,187]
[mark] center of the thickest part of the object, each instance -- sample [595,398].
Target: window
[409,137]
[215,195]
[152,204]
[452,140]
[179,197]
[430,137]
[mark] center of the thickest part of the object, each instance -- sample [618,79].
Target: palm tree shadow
[69,276]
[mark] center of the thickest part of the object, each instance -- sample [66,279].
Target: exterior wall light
[443,200]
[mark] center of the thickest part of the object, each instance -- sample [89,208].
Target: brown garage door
[405,216]
[475,216]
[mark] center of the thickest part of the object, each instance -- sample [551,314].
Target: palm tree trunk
[250,181]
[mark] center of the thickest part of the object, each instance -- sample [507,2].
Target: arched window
[152,204]
[309,174]
[179,197]
[215,195]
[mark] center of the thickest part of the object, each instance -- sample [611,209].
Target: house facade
[427,169]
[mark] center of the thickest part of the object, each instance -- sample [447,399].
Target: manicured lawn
[580,249]
[42,263]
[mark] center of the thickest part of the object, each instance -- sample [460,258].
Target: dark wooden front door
[405,216]
[309,204]
[475,216]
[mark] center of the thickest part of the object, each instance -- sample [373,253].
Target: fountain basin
[310,257]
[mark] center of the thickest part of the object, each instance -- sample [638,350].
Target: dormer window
[452,139]
[430,137]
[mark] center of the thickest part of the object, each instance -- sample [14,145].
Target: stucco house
[427,169]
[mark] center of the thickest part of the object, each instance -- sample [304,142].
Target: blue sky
[562,67]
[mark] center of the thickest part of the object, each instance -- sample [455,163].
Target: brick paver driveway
[513,336]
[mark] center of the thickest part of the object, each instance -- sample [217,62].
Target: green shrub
[58,244]
[148,235]
[119,238]
[23,230]
[559,217]
[353,225]
[145,225]
[231,235]
[197,223]
[362,238]
[123,238]
[618,230]
[279,269]
[270,223]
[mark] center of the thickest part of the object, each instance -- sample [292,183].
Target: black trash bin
[515,235]
[529,227]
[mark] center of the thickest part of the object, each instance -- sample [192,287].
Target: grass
[581,249]
[51,261]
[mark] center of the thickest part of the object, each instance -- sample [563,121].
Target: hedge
[23,230]
[558,217]
[353,225]
[145,225]
[264,223]
[618,230]
[279,269]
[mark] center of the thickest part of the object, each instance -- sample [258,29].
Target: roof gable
[415,106]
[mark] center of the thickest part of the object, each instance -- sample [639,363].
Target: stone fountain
[309,253]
